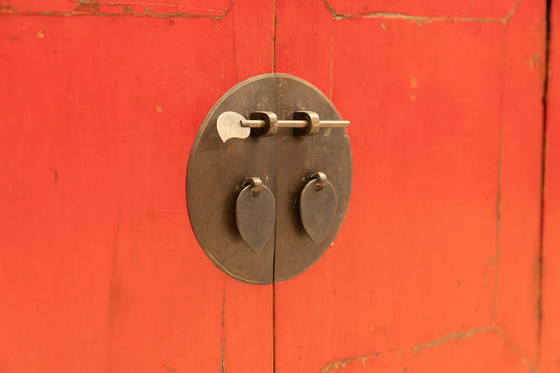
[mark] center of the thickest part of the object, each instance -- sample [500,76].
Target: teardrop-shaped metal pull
[255,213]
[317,207]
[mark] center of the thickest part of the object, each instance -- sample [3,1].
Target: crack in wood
[223,337]
[94,8]
[517,350]
[425,19]
[451,337]
[8,9]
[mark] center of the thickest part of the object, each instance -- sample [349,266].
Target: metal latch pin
[265,123]
[252,123]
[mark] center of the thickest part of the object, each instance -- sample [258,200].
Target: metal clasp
[232,125]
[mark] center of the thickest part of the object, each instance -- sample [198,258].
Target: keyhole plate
[216,172]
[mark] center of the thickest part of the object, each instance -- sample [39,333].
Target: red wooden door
[100,269]
[437,267]
[550,305]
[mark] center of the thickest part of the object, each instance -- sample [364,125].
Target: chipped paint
[116,9]
[517,351]
[338,364]
[223,338]
[533,62]
[455,336]
[413,85]
[498,255]
[419,19]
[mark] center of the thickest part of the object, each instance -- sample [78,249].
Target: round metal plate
[283,162]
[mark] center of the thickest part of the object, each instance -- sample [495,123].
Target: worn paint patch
[422,19]
[120,9]
[533,62]
[337,365]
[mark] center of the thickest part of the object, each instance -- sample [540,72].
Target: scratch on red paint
[115,9]
[517,351]
[425,19]
[336,365]
[339,364]
[151,4]
[87,6]
[223,337]
[93,8]
[452,337]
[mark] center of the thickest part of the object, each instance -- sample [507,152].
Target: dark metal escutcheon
[255,211]
[317,207]
[283,162]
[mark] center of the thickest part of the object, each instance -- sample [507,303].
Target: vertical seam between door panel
[276,189]
[543,176]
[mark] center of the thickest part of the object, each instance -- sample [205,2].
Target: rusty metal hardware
[271,235]
[255,211]
[264,123]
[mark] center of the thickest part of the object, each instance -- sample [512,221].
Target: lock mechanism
[232,125]
[269,179]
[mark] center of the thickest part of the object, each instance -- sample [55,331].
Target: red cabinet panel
[441,242]
[550,355]
[100,269]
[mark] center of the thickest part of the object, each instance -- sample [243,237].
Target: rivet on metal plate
[318,207]
[255,212]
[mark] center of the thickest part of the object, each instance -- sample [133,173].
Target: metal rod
[295,123]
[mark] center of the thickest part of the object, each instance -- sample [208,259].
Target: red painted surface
[550,361]
[437,267]
[441,242]
[99,268]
